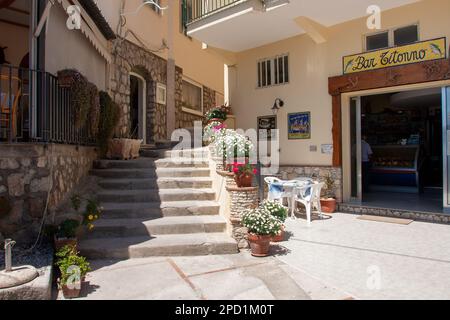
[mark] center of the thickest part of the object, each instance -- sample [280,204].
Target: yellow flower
[90,217]
[90,226]
[96,217]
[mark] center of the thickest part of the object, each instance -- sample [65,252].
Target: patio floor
[337,258]
[373,260]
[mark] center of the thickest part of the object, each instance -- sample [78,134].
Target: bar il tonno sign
[397,56]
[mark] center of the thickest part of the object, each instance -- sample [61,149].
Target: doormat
[386,220]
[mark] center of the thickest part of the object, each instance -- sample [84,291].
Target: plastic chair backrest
[271,180]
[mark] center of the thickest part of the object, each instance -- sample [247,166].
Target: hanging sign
[397,56]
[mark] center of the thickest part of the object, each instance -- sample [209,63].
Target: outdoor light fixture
[277,106]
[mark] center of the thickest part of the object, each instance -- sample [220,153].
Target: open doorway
[397,150]
[138,89]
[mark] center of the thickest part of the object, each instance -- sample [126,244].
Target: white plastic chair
[309,199]
[271,181]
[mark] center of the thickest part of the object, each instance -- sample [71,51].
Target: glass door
[356,154]
[446,145]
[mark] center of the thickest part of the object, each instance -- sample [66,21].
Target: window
[377,41]
[394,37]
[192,97]
[406,35]
[273,71]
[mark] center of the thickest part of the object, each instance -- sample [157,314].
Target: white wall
[310,66]
[66,49]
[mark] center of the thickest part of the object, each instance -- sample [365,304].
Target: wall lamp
[277,106]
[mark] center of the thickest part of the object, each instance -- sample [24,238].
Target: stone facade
[129,57]
[316,173]
[242,199]
[394,213]
[26,173]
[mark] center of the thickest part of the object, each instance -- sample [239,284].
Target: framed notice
[299,126]
[265,126]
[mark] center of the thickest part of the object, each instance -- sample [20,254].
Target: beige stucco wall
[16,38]
[66,48]
[152,28]
[310,66]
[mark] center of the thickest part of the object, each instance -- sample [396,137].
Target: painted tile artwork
[299,126]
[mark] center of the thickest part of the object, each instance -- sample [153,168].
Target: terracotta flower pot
[328,205]
[74,291]
[60,243]
[244,181]
[279,237]
[259,245]
[119,149]
[135,148]
[215,120]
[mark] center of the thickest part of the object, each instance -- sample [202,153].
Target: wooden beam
[390,77]
[337,131]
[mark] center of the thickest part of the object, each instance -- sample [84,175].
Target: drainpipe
[8,254]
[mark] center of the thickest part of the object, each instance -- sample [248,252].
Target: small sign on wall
[327,149]
[265,126]
[299,126]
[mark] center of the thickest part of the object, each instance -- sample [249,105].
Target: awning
[96,31]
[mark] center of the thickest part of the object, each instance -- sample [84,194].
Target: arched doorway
[138,103]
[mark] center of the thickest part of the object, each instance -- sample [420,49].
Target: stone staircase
[157,206]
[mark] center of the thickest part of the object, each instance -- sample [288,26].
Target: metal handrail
[194,10]
[42,112]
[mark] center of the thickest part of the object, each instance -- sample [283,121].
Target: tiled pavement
[337,258]
[373,260]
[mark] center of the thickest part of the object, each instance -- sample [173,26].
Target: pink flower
[236,170]
[255,171]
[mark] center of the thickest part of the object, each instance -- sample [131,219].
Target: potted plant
[73,269]
[243,174]
[262,226]
[66,234]
[91,214]
[328,201]
[281,213]
[66,77]
[216,115]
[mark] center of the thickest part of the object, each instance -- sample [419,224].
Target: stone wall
[26,173]
[316,173]
[241,199]
[128,57]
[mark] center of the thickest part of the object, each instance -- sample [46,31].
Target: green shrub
[67,259]
[276,209]
[68,229]
[109,118]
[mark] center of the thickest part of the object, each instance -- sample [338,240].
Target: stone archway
[130,58]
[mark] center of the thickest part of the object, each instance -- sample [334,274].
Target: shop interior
[404,131]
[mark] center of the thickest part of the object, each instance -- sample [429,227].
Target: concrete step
[105,228]
[150,163]
[202,153]
[151,173]
[156,195]
[157,209]
[197,244]
[153,183]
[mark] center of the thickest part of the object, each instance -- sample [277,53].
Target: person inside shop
[367,153]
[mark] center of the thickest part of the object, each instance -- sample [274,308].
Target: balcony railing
[34,108]
[194,10]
